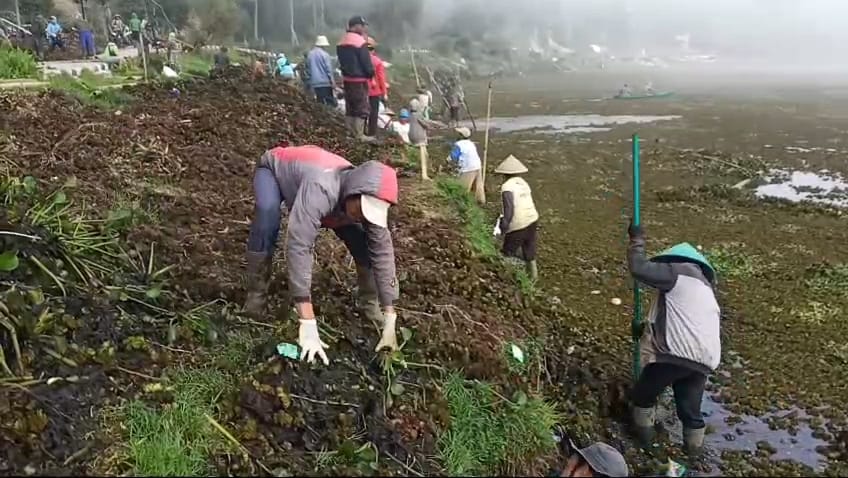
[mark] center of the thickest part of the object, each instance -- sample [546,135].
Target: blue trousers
[265,227]
[87,43]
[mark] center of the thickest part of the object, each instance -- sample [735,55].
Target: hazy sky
[790,29]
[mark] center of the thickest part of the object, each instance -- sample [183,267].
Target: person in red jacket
[378,88]
[357,70]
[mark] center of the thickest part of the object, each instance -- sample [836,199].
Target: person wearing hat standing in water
[680,342]
[357,70]
[321,189]
[519,219]
[597,459]
[464,154]
[320,68]
[378,88]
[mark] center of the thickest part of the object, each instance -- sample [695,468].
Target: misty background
[789,31]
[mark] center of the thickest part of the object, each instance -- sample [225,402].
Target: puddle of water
[733,432]
[822,187]
[570,124]
[575,130]
[745,435]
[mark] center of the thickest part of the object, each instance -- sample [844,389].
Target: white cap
[322,41]
[465,132]
[375,210]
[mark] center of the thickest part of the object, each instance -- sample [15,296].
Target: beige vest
[525,211]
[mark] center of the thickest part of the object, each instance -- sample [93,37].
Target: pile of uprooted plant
[123,349]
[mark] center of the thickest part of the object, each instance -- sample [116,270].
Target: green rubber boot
[643,424]
[533,270]
[693,441]
[258,279]
[366,297]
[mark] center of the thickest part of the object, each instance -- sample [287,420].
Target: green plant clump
[489,436]
[732,262]
[178,439]
[17,64]
[831,280]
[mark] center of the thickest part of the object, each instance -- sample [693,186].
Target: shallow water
[822,187]
[569,124]
[745,435]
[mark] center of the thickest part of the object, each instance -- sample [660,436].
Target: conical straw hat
[511,165]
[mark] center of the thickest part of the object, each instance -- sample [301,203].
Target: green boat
[659,94]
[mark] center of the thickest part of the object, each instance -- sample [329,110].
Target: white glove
[310,343]
[389,337]
[497,230]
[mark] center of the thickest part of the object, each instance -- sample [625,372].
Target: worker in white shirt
[464,154]
[519,219]
[425,100]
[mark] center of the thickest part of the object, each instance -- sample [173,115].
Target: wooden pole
[465,104]
[486,138]
[143,54]
[18,12]
[414,68]
[256,20]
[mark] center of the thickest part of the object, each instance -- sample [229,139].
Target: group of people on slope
[680,341]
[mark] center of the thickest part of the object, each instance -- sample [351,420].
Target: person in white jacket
[464,154]
[519,218]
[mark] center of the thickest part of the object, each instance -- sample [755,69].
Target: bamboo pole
[414,67]
[486,137]
[143,54]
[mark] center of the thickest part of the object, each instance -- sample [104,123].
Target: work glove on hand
[634,230]
[310,343]
[497,230]
[389,336]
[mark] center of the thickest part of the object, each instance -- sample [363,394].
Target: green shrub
[17,64]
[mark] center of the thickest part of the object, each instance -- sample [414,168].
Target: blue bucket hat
[685,252]
[404,114]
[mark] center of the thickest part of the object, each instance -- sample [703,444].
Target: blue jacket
[284,68]
[320,68]
[53,29]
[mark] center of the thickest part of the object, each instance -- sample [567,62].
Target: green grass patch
[177,439]
[92,89]
[196,64]
[731,261]
[488,435]
[830,280]
[17,64]
[477,227]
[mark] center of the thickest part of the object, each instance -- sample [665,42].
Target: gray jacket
[319,68]
[314,183]
[417,129]
[684,320]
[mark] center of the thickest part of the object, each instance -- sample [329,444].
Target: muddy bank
[164,185]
